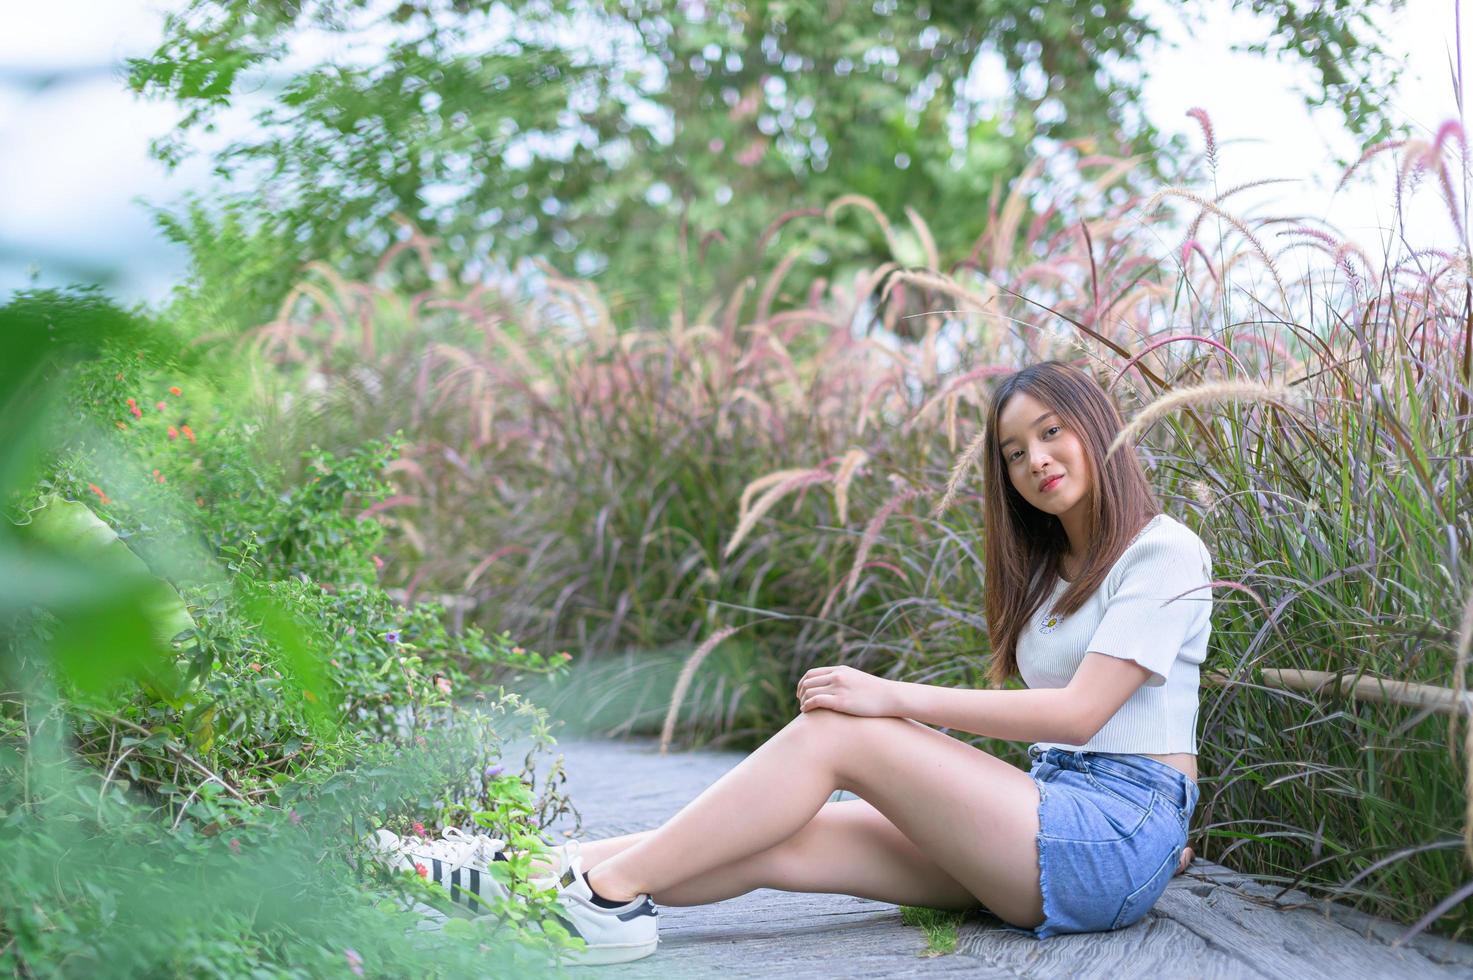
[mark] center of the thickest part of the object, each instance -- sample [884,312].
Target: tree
[614,137]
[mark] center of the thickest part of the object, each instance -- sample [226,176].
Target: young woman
[1098,599]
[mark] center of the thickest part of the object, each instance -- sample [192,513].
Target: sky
[77,183]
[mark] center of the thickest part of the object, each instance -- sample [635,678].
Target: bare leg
[849,848]
[965,810]
[801,865]
[594,851]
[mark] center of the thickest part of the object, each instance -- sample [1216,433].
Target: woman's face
[1044,458]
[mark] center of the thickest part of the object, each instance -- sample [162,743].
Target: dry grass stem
[859,200]
[682,683]
[872,531]
[968,457]
[853,459]
[763,482]
[1225,215]
[928,241]
[974,303]
[765,502]
[1222,391]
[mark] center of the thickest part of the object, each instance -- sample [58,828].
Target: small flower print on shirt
[1049,622]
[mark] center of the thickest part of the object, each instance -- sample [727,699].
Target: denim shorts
[1111,829]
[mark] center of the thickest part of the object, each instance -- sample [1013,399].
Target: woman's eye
[1052,429]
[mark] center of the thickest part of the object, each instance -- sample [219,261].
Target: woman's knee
[849,738]
[831,729]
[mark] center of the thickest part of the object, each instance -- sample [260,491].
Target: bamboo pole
[1366,687]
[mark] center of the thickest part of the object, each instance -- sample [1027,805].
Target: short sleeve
[1143,620]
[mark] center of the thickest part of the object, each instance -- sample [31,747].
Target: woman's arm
[1043,715]
[1070,715]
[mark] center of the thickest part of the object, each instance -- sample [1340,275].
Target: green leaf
[69,527]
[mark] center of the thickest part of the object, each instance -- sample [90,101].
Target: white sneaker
[458,861]
[561,854]
[610,935]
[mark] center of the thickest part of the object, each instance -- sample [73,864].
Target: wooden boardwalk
[1211,922]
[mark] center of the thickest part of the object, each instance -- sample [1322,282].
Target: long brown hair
[1024,546]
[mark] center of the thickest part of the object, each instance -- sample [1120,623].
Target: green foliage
[206,699]
[97,884]
[939,925]
[672,138]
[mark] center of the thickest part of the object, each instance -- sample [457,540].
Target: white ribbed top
[1126,618]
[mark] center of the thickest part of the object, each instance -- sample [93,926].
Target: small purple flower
[295,818]
[392,636]
[355,962]
[493,771]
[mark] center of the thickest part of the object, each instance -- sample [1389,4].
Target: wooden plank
[1150,948]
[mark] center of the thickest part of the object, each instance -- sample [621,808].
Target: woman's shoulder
[1163,539]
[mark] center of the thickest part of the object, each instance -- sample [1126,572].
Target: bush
[206,699]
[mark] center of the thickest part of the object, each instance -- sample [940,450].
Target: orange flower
[175,390]
[421,870]
[160,406]
[100,495]
[188,432]
[173,432]
[254,666]
[158,476]
[132,402]
[137,412]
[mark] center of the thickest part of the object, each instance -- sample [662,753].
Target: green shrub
[184,781]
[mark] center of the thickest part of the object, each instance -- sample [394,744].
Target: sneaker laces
[458,849]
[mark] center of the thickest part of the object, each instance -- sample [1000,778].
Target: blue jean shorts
[1111,829]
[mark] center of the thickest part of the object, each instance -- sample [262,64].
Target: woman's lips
[1050,483]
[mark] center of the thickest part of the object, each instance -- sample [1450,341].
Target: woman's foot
[1186,858]
[613,932]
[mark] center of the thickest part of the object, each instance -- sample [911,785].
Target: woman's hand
[848,690]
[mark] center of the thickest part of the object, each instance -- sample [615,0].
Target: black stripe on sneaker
[645,908]
[455,885]
[500,856]
[437,870]
[572,929]
[475,885]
